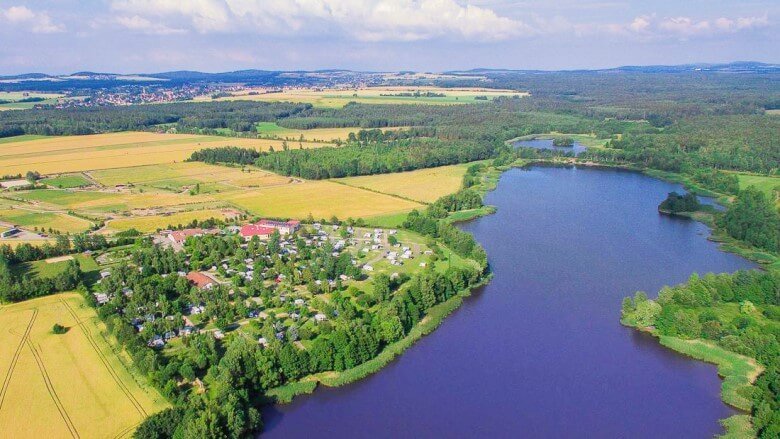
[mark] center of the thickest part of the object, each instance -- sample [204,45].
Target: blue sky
[131,36]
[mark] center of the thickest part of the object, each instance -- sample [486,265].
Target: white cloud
[37,22]
[681,27]
[138,23]
[368,20]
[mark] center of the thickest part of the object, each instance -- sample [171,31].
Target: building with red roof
[250,230]
[201,280]
[179,236]
[284,227]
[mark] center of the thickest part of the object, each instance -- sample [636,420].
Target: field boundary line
[136,404]
[15,358]
[425,203]
[52,392]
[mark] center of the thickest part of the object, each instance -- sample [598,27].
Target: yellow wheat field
[322,199]
[151,223]
[425,185]
[68,385]
[370,95]
[115,150]
[44,220]
[188,173]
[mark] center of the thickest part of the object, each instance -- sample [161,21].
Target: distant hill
[325,77]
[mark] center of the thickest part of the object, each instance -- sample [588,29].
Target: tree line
[698,310]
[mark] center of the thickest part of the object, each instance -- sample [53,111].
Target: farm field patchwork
[115,150]
[151,223]
[322,199]
[336,98]
[425,185]
[16,96]
[187,173]
[74,380]
[272,130]
[67,181]
[45,220]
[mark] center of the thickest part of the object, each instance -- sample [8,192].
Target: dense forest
[739,312]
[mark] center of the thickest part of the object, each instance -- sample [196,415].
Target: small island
[566,142]
[675,204]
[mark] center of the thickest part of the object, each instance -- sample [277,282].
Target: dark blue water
[539,352]
[576,148]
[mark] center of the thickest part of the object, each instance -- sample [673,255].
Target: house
[179,236]
[219,335]
[101,298]
[104,274]
[201,280]
[250,230]
[298,302]
[262,342]
[284,227]
[368,267]
[320,317]
[156,342]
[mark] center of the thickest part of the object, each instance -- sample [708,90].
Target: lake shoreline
[287,393]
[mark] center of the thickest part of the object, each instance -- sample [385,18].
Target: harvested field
[74,381]
[425,185]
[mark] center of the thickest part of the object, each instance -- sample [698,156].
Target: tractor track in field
[15,358]
[136,404]
[52,392]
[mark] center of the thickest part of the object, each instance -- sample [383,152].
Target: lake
[540,352]
[575,149]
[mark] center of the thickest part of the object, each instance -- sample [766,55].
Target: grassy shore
[738,373]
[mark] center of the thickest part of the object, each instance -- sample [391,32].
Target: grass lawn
[766,184]
[67,181]
[54,266]
[393,220]
[75,384]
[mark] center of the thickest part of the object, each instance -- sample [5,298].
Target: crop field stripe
[105,362]
[52,391]
[126,431]
[15,358]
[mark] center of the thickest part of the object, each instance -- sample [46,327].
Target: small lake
[575,149]
[539,352]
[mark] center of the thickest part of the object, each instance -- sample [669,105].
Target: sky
[146,36]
